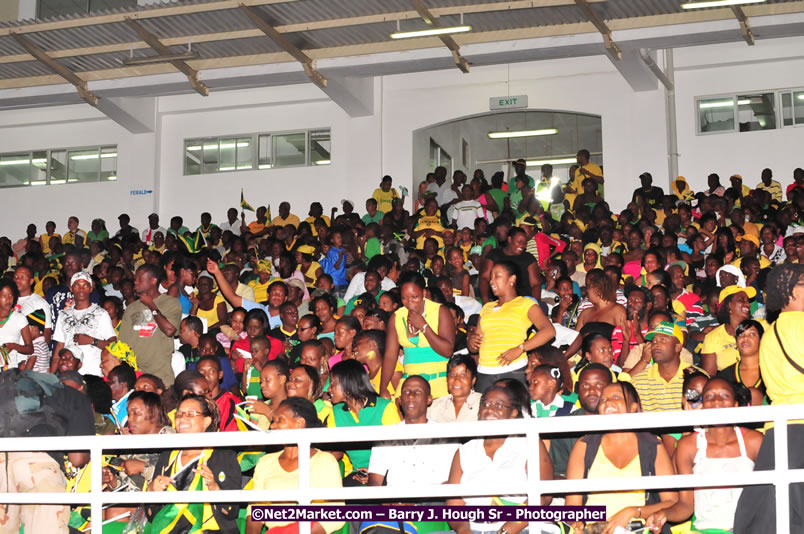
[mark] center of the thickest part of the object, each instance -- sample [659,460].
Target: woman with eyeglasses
[463,402]
[619,454]
[717,449]
[497,458]
[195,470]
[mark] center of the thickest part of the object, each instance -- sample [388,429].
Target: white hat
[81,275]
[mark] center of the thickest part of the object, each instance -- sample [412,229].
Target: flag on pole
[243,204]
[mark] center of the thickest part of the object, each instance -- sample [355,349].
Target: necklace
[4,321]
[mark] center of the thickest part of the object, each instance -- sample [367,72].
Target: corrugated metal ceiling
[222,21]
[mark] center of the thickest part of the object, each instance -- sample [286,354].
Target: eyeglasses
[187,415]
[497,405]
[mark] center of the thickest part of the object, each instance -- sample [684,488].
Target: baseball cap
[77,353]
[667,328]
[733,290]
[295,282]
[81,275]
[750,237]
[520,161]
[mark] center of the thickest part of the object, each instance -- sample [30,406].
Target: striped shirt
[774,189]
[655,393]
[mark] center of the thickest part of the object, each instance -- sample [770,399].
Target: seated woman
[305,382]
[720,345]
[494,459]
[273,378]
[279,470]
[133,472]
[717,449]
[346,328]
[208,305]
[463,402]
[746,370]
[620,455]
[597,348]
[356,403]
[195,470]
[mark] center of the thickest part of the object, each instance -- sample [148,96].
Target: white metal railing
[532,429]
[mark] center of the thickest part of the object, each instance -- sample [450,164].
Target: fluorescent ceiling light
[801,96]
[432,31]
[718,3]
[194,147]
[39,160]
[39,182]
[94,156]
[522,133]
[265,166]
[323,162]
[56,182]
[232,145]
[226,169]
[150,60]
[723,103]
[560,161]
[211,147]
[111,178]
[15,162]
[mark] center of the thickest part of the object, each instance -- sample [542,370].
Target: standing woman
[425,331]
[16,344]
[501,337]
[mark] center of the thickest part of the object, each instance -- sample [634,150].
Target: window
[716,115]
[58,166]
[793,108]
[265,150]
[439,157]
[756,112]
[56,8]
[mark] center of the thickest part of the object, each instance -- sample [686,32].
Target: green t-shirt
[499,197]
[373,247]
[512,182]
[378,215]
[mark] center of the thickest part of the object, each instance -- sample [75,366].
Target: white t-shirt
[33,302]
[11,332]
[465,212]
[93,321]
[234,228]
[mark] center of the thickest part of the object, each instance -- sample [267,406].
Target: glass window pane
[787,109]
[210,162]
[320,147]
[83,165]
[716,115]
[289,149]
[798,107]
[58,167]
[39,168]
[192,156]
[264,155]
[756,112]
[244,153]
[15,170]
[227,161]
[108,164]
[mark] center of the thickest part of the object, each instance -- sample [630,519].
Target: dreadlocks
[781,282]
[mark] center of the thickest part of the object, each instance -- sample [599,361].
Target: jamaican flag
[243,204]
[193,242]
[189,518]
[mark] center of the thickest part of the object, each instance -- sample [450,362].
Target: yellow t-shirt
[211,315]
[385,199]
[504,327]
[69,237]
[44,240]
[427,222]
[763,262]
[311,221]
[290,219]
[615,501]
[324,473]
[375,382]
[311,273]
[260,290]
[593,168]
[785,385]
[721,343]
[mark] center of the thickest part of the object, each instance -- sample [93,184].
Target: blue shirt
[338,274]
[274,321]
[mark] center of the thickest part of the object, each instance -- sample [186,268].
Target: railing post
[534,469]
[96,489]
[782,476]
[304,482]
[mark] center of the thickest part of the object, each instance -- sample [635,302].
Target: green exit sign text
[508,102]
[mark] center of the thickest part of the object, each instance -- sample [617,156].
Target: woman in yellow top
[261,284]
[279,470]
[501,337]
[385,195]
[310,268]
[425,331]
[208,305]
[720,345]
[620,455]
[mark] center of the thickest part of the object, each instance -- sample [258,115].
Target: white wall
[714,70]
[363,149]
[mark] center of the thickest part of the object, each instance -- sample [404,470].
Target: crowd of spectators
[487,300]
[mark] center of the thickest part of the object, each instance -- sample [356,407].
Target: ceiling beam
[748,35]
[283,42]
[88,96]
[162,50]
[449,42]
[591,15]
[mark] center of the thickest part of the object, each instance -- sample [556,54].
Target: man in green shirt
[519,169]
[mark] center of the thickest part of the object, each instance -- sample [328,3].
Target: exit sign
[508,102]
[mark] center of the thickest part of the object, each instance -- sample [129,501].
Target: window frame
[792,92]
[67,151]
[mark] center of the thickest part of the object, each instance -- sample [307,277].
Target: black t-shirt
[522,262]
[654,196]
